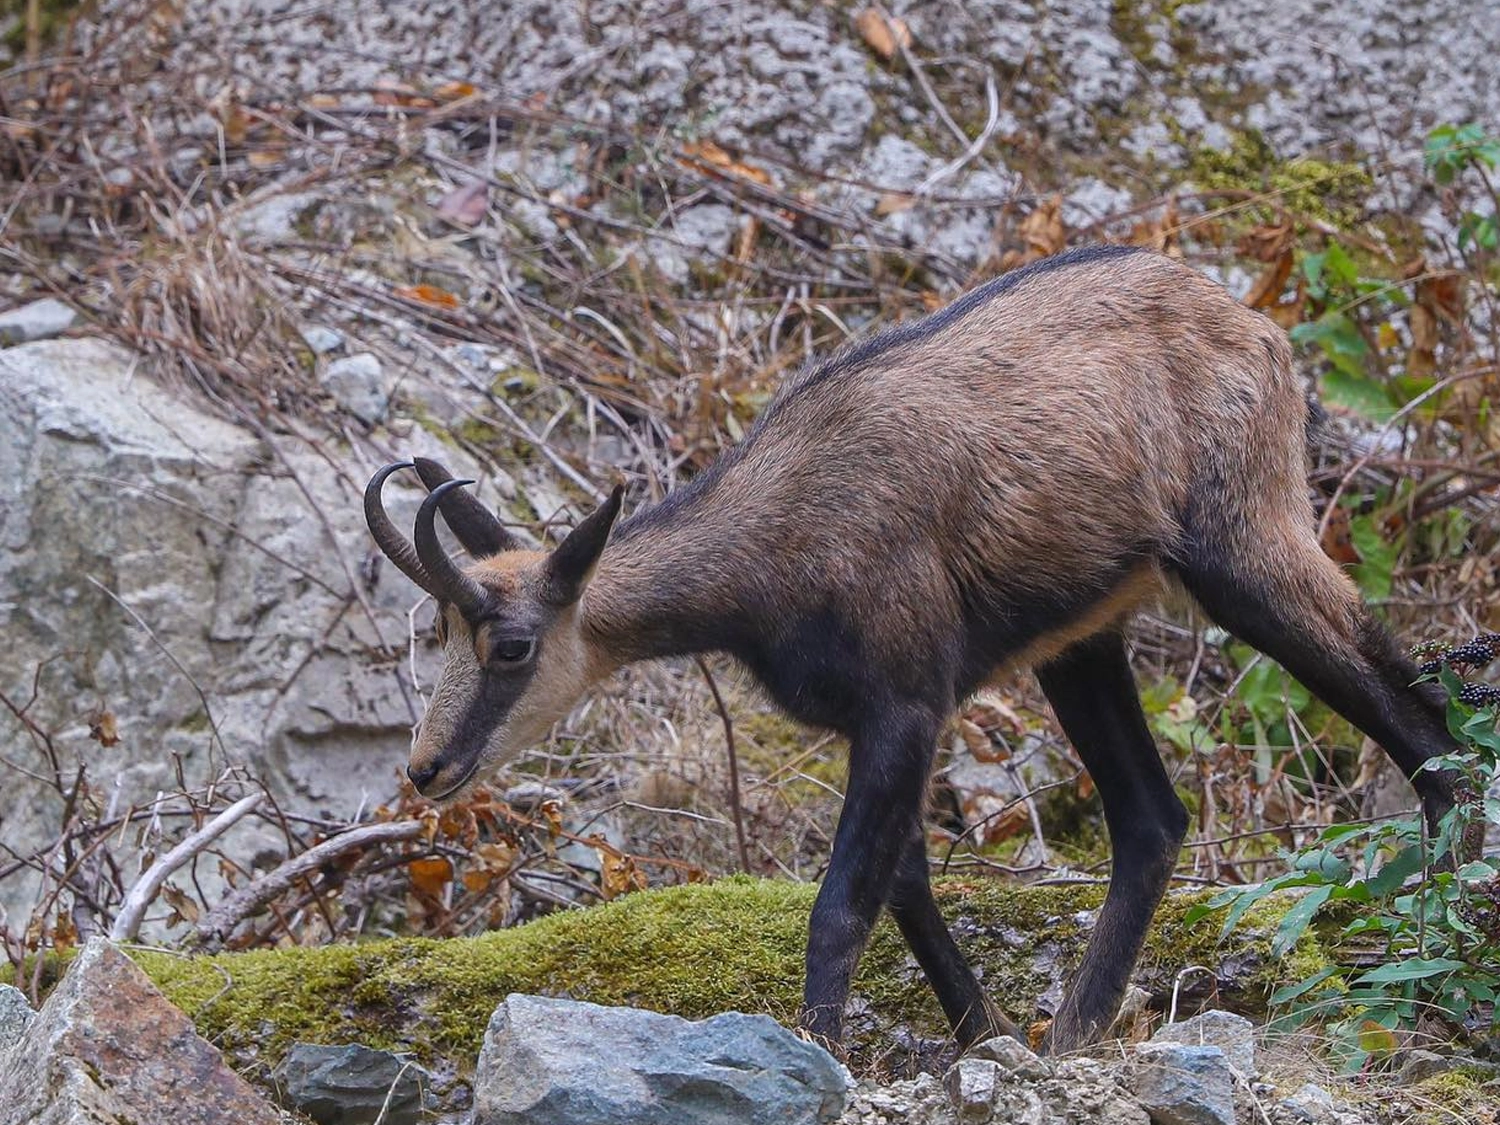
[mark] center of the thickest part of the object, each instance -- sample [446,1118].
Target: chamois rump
[994,486]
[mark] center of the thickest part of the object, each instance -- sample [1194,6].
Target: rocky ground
[109,1047]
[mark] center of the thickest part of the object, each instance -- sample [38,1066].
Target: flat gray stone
[1234,1035]
[1016,1058]
[358,384]
[1184,1085]
[353,1085]
[972,1085]
[37,321]
[561,1062]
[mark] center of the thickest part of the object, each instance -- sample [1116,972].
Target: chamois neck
[674,580]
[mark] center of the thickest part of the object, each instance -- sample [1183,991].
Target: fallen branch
[128,921]
[221,921]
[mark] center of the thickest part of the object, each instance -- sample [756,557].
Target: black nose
[421,776]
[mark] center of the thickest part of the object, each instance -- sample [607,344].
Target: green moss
[1325,189]
[1456,1095]
[694,950]
[53,17]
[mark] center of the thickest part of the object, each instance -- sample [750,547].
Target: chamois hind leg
[973,1018]
[1285,597]
[888,767]
[1093,693]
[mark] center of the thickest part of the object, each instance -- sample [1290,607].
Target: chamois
[997,485]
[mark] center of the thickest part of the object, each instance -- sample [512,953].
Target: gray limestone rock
[546,1061]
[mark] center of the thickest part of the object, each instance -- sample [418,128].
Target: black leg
[882,810]
[1304,614]
[1091,688]
[969,1011]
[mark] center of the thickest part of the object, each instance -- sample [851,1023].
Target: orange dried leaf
[1268,286]
[430,875]
[1043,230]
[453,91]
[184,907]
[105,729]
[893,202]
[64,932]
[885,35]
[477,880]
[552,813]
[389,92]
[618,873]
[428,295]
[708,154]
[1338,538]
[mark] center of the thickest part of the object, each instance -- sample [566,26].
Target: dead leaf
[894,202]
[454,91]
[1338,539]
[974,737]
[389,92]
[1036,1032]
[1163,233]
[430,875]
[551,811]
[618,873]
[105,729]
[428,295]
[1267,243]
[885,35]
[711,156]
[184,906]
[265,157]
[1272,281]
[1085,786]
[1043,233]
[465,204]
[64,932]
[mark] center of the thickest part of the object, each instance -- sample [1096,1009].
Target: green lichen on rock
[737,944]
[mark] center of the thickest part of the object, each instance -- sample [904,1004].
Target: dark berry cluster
[1477,653]
[1479,695]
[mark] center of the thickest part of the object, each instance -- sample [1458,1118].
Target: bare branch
[220,922]
[128,921]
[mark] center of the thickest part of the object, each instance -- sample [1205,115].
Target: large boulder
[562,1062]
[211,584]
[108,1049]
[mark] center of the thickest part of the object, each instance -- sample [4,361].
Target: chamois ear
[572,564]
[475,525]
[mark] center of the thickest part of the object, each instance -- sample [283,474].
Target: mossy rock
[736,944]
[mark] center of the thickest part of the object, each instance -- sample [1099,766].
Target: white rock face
[115,493]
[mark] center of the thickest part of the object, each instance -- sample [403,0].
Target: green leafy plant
[1453,150]
[1430,911]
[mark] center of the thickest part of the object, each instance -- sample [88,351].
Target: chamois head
[516,659]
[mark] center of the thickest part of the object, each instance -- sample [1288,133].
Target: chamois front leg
[888,766]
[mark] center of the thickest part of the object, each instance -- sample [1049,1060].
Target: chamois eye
[512,651]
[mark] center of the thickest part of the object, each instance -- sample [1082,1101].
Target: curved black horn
[396,546]
[474,524]
[449,583]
